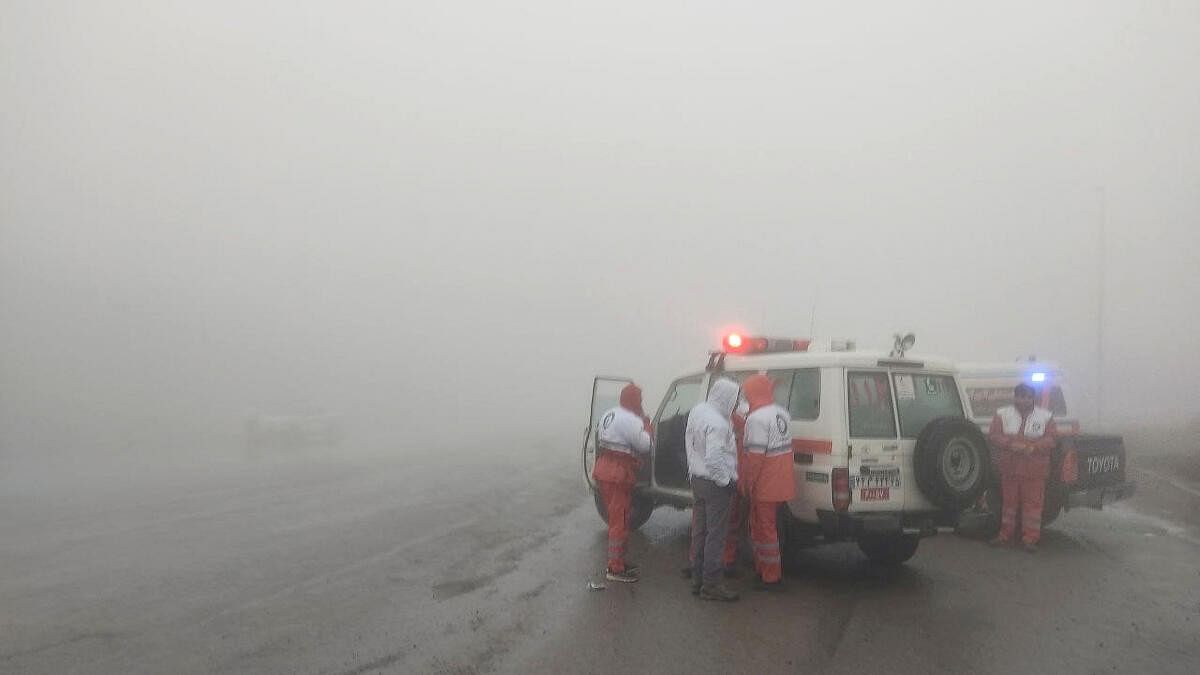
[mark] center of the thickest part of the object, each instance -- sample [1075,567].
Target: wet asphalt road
[315,565]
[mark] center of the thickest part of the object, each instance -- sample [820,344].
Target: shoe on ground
[696,587]
[998,541]
[1030,547]
[626,577]
[717,592]
[632,567]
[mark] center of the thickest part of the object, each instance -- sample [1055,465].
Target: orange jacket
[768,439]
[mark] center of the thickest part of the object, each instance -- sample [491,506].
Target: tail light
[841,489]
[1070,467]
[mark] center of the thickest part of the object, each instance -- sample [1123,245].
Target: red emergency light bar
[736,343]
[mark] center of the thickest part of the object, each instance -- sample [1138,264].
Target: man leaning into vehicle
[623,437]
[1022,437]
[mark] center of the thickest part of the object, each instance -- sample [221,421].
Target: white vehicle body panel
[827,436]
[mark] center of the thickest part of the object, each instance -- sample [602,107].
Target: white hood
[711,451]
[723,396]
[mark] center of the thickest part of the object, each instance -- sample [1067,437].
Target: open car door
[606,393]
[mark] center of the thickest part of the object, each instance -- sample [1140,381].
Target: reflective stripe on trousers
[767,561]
[1028,494]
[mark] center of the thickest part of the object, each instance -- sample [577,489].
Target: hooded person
[712,469]
[739,507]
[622,437]
[766,476]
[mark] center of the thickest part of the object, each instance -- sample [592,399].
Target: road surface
[480,564]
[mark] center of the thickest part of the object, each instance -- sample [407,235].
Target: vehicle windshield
[985,401]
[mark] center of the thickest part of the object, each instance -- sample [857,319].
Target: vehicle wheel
[889,549]
[639,511]
[995,502]
[951,462]
[792,538]
[987,524]
[1056,496]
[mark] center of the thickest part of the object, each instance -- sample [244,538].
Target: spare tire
[952,462]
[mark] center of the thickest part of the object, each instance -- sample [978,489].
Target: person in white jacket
[712,469]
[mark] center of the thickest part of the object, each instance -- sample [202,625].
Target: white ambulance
[883,453]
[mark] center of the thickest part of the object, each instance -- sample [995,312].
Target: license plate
[876,494]
[876,480]
[1103,463]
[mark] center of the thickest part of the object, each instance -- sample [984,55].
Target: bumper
[837,525]
[1097,497]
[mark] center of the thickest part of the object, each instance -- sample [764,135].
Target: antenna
[812,315]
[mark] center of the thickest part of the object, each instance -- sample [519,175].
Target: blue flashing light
[1038,377]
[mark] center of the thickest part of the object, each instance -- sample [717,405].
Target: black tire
[991,524]
[1052,507]
[889,550]
[988,525]
[792,538]
[639,511]
[952,463]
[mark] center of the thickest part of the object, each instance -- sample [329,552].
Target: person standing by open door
[712,468]
[767,475]
[623,436]
[1023,436]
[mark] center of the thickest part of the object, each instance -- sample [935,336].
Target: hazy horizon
[440,220]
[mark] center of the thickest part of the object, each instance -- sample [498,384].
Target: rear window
[921,399]
[985,401]
[869,400]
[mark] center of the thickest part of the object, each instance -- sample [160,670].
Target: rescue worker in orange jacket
[1022,436]
[623,435]
[767,475]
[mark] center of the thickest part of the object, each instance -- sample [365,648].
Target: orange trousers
[765,537]
[1029,493]
[617,498]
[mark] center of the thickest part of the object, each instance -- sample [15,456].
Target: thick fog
[439,220]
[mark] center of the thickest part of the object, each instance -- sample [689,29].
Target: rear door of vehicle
[813,404]
[922,397]
[1101,460]
[877,482]
[606,393]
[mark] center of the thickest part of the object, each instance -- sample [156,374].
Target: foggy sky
[441,219]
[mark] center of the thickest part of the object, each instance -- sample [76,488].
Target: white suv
[883,454]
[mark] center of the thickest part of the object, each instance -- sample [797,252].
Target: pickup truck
[1100,458]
